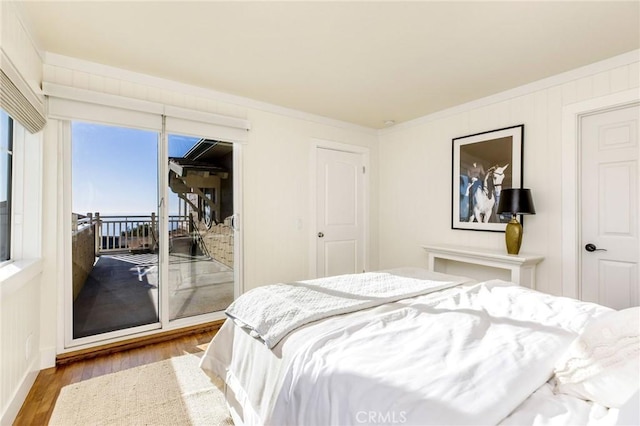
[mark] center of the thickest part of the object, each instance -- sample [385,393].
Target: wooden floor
[39,404]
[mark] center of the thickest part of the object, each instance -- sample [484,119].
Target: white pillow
[603,363]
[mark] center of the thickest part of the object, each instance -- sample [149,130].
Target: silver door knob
[320,235]
[592,247]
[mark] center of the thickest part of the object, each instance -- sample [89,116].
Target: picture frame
[483,164]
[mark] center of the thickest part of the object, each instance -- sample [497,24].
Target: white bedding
[273,311]
[544,407]
[466,355]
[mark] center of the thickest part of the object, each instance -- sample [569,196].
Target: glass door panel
[114,228]
[200,231]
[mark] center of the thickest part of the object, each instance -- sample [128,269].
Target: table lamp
[515,201]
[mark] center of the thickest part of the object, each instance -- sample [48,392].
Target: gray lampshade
[516,201]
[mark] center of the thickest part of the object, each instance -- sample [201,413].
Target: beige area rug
[171,392]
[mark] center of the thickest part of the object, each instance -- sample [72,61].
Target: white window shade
[69,103]
[66,109]
[205,125]
[18,99]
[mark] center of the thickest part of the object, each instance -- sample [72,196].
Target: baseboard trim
[135,342]
[47,357]
[20,395]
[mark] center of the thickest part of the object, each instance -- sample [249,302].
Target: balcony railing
[128,232]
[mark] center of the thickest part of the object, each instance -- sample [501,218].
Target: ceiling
[360,62]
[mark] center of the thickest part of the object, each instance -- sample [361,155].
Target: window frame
[26,216]
[10,190]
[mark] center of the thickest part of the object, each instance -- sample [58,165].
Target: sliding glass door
[153,227]
[200,231]
[115,242]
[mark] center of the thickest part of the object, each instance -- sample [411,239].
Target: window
[6,154]
[209,216]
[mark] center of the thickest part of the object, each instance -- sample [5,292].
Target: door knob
[592,247]
[320,235]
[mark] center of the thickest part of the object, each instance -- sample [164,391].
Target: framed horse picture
[483,165]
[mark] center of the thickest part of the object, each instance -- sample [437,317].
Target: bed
[410,346]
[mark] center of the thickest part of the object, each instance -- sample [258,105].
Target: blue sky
[115,169]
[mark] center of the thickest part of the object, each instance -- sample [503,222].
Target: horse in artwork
[485,195]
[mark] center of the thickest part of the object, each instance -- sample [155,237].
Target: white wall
[19,339]
[17,44]
[415,167]
[20,282]
[277,195]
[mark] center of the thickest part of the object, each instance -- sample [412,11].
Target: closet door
[340,212]
[609,219]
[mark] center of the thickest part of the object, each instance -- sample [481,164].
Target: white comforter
[461,356]
[273,311]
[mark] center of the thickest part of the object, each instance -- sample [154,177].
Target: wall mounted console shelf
[521,268]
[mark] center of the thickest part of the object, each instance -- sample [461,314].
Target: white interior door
[609,207]
[340,212]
